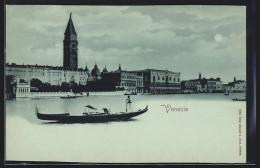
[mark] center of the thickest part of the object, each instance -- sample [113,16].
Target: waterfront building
[236,86]
[47,74]
[130,81]
[161,81]
[214,85]
[144,81]
[139,81]
[228,87]
[202,85]
[22,89]
[191,85]
[240,86]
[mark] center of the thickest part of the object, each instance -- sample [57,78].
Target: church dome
[88,71]
[105,70]
[95,72]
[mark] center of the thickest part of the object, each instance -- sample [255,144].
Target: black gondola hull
[239,99]
[66,118]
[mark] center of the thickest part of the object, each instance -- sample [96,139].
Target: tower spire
[70,27]
[70,46]
[105,69]
[86,68]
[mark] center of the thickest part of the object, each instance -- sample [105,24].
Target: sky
[185,39]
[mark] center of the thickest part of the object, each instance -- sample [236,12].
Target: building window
[153,78]
[162,78]
[158,77]
[173,79]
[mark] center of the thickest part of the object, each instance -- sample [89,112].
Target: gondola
[68,97]
[132,93]
[236,99]
[90,117]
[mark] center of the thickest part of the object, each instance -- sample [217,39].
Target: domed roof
[95,71]
[105,70]
[87,70]
[119,69]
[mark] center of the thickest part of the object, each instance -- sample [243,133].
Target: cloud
[178,38]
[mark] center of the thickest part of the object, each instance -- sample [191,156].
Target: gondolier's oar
[36,109]
[126,105]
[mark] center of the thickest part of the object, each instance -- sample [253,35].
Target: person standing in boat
[128,103]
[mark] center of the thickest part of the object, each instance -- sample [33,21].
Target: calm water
[207,132]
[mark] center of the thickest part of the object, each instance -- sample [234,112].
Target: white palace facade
[47,74]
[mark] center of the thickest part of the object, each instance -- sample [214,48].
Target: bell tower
[70,47]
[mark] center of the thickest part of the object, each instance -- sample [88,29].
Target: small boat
[90,116]
[227,93]
[79,94]
[236,99]
[132,93]
[68,97]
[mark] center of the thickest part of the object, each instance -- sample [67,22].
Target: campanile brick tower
[70,47]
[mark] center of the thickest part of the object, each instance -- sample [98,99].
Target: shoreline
[101,93]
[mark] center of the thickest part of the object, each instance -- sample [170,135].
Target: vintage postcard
[126,84]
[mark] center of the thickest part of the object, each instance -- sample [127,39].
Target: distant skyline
[186,39]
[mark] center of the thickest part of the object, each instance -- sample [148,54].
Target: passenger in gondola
[105,110]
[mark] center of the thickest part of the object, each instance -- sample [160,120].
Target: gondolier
[128,99]
[128,103]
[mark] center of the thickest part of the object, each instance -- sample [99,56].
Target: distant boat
[132,93]
[79,94]
[227,93]
[68,97]
[236,99]
[90,117]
